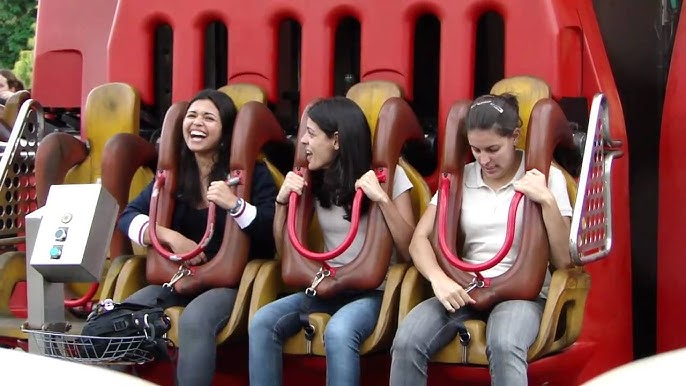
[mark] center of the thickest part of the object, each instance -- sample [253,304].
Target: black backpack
[125,332]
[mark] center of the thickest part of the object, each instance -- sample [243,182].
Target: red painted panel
[671,286]
[608,320]
[71,50]
[58,88]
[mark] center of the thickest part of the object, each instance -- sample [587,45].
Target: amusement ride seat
[255,126]
[393,123]
[63,158]
[111,109]
[564,309]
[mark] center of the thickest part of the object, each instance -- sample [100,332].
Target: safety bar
[152,227]
[323,256]
[453,258]
[590,237]
[83,300]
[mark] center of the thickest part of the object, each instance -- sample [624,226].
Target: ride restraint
[326,270]
[478,281]
[110,319]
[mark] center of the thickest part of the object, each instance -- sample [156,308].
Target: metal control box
[74,233]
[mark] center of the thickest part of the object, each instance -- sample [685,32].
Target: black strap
[164,294]
[304,316]
[463,333]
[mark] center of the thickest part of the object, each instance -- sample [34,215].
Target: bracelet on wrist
[281,203]
[237,208]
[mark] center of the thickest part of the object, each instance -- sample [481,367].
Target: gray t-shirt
[335,228]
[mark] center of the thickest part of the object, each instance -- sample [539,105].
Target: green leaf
[17,26]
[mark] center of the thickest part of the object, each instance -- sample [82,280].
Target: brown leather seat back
[393,125]
[294,267]
[158,269]
[255,125]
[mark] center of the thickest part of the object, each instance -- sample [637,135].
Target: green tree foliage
[17,18]
[23,68]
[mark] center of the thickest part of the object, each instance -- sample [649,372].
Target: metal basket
[92,349]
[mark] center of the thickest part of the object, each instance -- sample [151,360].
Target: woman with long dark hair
[203,169]
[338,146]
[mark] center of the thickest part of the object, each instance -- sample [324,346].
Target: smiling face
[202,127]
[321,149]
[495,153]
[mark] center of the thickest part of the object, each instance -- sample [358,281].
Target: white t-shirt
[483,217]
[335,228]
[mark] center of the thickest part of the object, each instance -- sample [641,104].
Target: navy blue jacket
[191,222]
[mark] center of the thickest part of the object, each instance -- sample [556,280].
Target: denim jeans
[202,319]
[354,318]
[511,328]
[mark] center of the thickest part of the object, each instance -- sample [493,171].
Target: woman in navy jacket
[203,168]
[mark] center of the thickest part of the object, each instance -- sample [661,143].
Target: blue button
[56,252]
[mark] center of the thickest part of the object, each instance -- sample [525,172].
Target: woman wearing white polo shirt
[492,126]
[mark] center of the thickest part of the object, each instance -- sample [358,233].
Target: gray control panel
[74,233]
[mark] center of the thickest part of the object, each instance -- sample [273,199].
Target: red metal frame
[671,317]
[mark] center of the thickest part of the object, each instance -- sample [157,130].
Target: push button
[56,252]
[61,234]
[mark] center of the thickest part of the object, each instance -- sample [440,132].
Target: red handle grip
[159,185]
[452,257]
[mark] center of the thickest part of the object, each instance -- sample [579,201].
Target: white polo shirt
[483,217]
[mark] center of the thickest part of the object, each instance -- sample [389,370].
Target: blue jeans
[354,318]
[202,319]
[511,328]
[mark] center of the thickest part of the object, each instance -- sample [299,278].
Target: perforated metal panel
[591,231]
[18,191]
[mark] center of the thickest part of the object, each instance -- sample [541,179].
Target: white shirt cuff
[138,227]
[245,215]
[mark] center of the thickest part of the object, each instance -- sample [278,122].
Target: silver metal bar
[590,236]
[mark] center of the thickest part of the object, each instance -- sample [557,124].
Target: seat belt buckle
[311,291]
[183,271]
[309,336]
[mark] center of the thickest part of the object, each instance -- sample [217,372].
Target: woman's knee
[417,328]
[339,335]
[260,323]
[407,338]
[194,323]
[507,345]
[512,327]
